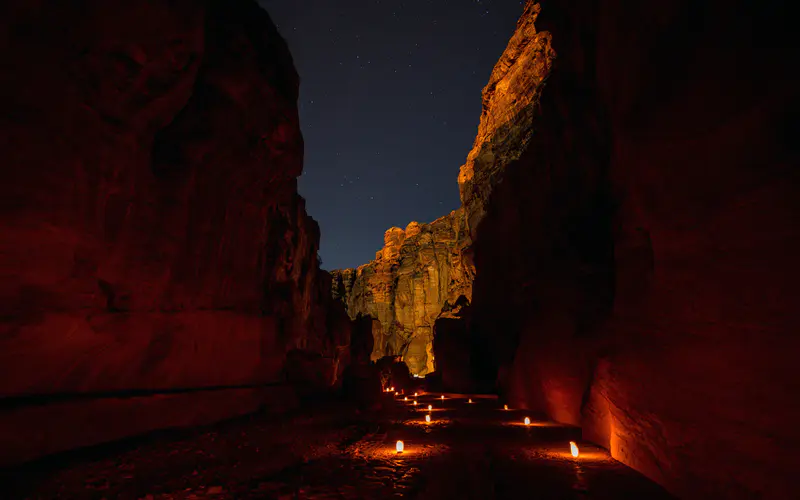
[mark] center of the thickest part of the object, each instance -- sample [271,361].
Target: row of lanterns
[400,446]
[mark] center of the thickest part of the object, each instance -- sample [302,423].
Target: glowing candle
[573,448]
[442,398]
[430,407]
[396,393]
[470,401]
[415,394]
[527,421]
[405,398]
[415,402]
[505,407]
[400,447]
[428,418]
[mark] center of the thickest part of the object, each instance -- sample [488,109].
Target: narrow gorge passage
[618,255]
[468,450]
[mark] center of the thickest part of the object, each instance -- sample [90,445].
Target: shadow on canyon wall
[158,266]
[636,267]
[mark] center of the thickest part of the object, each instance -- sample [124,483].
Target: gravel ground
[468,450]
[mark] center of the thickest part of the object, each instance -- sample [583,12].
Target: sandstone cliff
[636,259]
[630,207]
[391,288]
[419,273]
[153,242]
[510,102]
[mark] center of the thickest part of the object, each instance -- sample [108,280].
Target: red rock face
[648,229]
[417,277]
[152,235]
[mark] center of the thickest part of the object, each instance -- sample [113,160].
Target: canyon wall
[158,265]
[418,276]
[644,223]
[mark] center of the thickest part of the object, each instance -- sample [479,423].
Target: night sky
[389,106]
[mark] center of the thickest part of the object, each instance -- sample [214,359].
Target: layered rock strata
[420,273]
[153,242]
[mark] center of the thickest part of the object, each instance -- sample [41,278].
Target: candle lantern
[470,400]
[527,421]
[573,448]
[505,407]
[428,418]
[400,447]
[430,407]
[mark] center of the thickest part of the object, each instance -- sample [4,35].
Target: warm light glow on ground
[432,409]
[587,454]
[436,422]
[411,451]
[573,448]
[533,423]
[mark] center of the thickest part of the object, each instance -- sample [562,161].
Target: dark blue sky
[389,106]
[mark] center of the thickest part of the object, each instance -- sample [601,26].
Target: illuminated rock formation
[635,255]
[510,102]
[415,280]
[419,273]
[153,242]
[630,203]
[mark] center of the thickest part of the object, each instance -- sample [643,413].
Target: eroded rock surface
[420,272]
[648,224]
[509,105]
[152,235]
[630,203]
[401,288]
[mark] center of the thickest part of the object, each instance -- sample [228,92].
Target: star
[377,111]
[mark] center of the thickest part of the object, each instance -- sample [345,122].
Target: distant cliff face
[419,273]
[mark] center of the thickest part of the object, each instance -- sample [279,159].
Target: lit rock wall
[649,222]
[509,105]
[154,252]
[419,273]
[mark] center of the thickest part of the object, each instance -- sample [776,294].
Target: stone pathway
[469,451]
